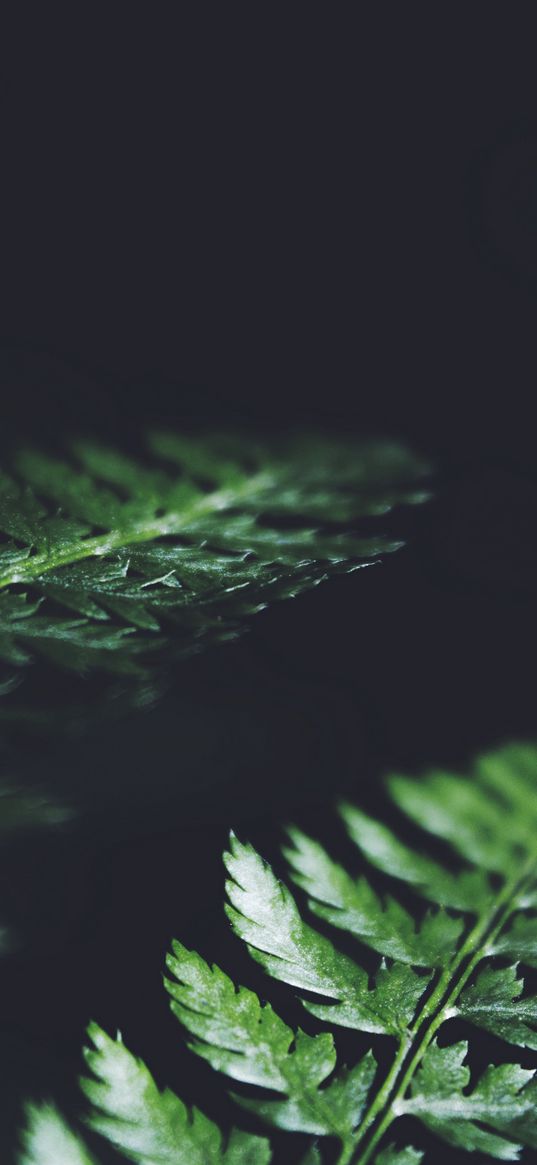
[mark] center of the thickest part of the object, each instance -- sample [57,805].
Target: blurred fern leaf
[105,558]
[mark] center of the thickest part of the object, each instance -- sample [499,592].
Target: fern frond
[485,908]
[412,1001]
[105,559]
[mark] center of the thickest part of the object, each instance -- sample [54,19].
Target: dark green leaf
[184,550]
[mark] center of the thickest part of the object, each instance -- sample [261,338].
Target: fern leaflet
[48,1139]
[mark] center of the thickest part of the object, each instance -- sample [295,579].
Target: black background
[273,219]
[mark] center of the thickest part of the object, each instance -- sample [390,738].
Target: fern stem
[347,1150]
[384,1091]
[383,1095]
[479,938]
[428,1036]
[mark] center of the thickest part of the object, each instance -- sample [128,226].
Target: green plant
[459,958]
[106,558]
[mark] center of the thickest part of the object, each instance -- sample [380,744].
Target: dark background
[275,221]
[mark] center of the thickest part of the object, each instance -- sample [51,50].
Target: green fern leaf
[352,905]
[482,909]
[336,1110]
[305,1087]
[466,891]
[265,915]
[104,559]
[493,1003]
[459,813]
[501,1100]
[519,941]
[152,1127]
[48,1140]
[252,1044]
